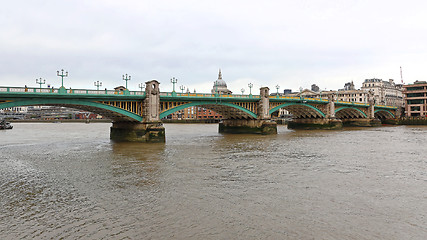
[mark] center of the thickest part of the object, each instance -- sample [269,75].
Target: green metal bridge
[137,115]
[128,105]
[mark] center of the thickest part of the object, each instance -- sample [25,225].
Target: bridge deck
[8,93]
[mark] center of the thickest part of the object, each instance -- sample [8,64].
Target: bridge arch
[349,112]
[107,111]
[220,108]
[300,110]
[383,114]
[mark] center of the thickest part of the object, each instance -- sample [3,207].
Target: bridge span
[137,115]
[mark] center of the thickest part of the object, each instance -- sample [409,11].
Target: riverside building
[415,99]
[385,92]
[347,94]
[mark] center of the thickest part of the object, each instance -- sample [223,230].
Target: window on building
[415,108]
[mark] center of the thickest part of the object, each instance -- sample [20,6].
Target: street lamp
[62,75]
[182,87]
[243,90]
[40,81]
[250,85]
[97,84]
[141,86]
[127,78]
[277,87]
[173,81]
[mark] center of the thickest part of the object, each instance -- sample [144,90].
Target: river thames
[69,181]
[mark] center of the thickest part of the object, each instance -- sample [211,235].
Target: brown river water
[69,181]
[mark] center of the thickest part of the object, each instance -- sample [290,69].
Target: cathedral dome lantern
[220,86]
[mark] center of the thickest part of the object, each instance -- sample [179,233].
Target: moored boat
[5,125]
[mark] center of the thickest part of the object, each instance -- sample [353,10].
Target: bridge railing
[68,91]
[352,103]
[298,98]
[175,94]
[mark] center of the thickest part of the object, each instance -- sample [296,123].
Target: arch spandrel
[300,110]
[108,111]
[227,110]
[383,114]
[349,112]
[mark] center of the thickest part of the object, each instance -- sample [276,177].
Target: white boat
[5,125]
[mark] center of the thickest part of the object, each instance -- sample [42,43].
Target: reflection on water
[70,181]
[136,164]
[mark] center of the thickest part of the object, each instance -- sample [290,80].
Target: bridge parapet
[31,90]
[207,95]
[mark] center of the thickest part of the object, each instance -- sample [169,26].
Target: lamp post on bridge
[182,87]
[126,78]
[141,86]
[243,90]
[250,85]
[173,81]
[277,87]
[41,82]
[97,84]
[62,75]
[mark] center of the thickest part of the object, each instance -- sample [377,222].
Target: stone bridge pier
[262,125]
[151,128]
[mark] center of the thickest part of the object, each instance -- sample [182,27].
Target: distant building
[220,87]
[385,92]
[347,94]
[352,95]
[119,89]
[203,113]
[287,91]
[19,109]
[306,93]
[349,86]
[194,112]
[415,97]
[315,88]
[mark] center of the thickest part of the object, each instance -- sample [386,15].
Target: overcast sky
[292,44]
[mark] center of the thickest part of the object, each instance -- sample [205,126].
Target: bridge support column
[361,122]
[262,125]
[137,132]
[315,123]
[151,128]
[371,121]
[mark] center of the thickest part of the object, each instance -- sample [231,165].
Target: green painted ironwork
[88,97]
[49,92]
[180,107]
[40,82]
[127,78]
[173,81]
[62,75]
[353,108]
[35,102]
[385,110]
[294,103]
[97,84]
